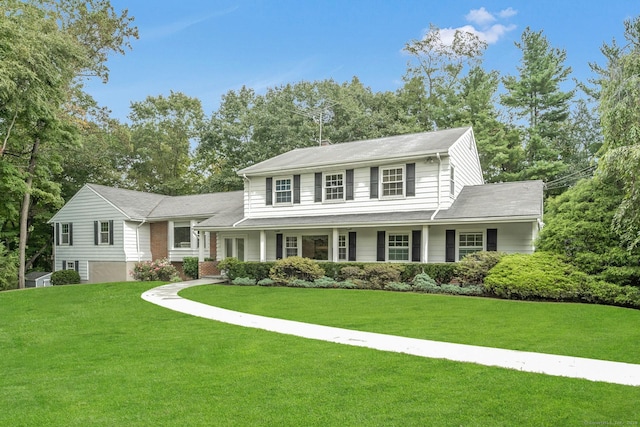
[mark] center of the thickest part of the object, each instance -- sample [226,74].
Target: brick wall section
[208,268]
[213,245]
[159,240]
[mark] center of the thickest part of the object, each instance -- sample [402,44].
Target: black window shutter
[381,246]
[70,234]
[57,236]
[411,179]
[450,254]
[416,243]
[296,188]
[373,183]
[352,246]
[95,232]
[492,239]
[349,184]
[269,191]
[318,187]
[279,246]
[76,266]
[111,232]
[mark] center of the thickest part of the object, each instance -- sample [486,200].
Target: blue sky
[206,48]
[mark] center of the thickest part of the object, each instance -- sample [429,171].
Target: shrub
[190,266]
[623,276]
[462,290]
[8,269]
[65,277]
[295,267]
[474,267]
[397,286]
[540,275]
[381,274]
[601,292]
[160,269]
[351,272]
[347,284]
[232,268]
[300,283]
[424,283]
[266,282]
[244,281]
[440,272]
[325,282]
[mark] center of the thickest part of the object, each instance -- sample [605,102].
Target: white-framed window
[182,234]
[398,246]
[103,232]
[70,265]
[234,247]
[452,181]
[342,247]
[290,246]
[334,186]
[469,242]
[392,182]
[315,247]
[64,233]
[283,190]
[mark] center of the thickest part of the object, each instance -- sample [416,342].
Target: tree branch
[6,139]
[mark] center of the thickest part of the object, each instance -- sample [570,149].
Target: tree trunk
[24,215]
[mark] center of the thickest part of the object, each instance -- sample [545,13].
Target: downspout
[244,176]
[138,238]
[439,189]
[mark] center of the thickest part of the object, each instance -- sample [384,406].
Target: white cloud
[507,13]
[177,26]
[480,16]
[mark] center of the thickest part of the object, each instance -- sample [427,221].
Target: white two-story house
[407,198]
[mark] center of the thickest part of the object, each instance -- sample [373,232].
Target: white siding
[426,197]
[464,157]
[137,238]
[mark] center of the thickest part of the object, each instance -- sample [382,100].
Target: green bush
[160,269]
[473,268]
[397,286]
[541,275]
[440,272]
[232,268]
[379,275]
[8,269]
[347,284]
[295,267]
[300,283]
[244,281]
[266,282]
[351,272]
[325,282]
[424,283]
[623,276]
[65,277]
[190,266]
[601,292]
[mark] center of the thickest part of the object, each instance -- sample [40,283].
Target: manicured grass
[99,355]
[584,330]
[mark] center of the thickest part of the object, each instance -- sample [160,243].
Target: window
[182,234]
[398,247]
[104,233]
[315,247]
[64,234]
[392,182]
[334,186]
[283,190]
[342,247]
[70,265]
[469,243]
[234,247]
[290,246]
[452,182]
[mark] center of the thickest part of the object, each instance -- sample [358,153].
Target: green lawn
[584,330]
[99,355]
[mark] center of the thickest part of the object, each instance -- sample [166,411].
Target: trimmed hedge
[65,277]
[190,266]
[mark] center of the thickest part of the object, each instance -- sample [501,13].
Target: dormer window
[392,182]
[283,190]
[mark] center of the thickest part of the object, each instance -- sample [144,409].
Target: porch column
[263,246]
[334,245]
[201,237]
[424,253]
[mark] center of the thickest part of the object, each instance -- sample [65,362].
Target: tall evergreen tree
[536,97]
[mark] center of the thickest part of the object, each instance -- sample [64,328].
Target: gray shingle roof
[371,150]
[509,199]
[134,204]
[141,205]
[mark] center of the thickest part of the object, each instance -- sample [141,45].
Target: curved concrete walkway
[564,366]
